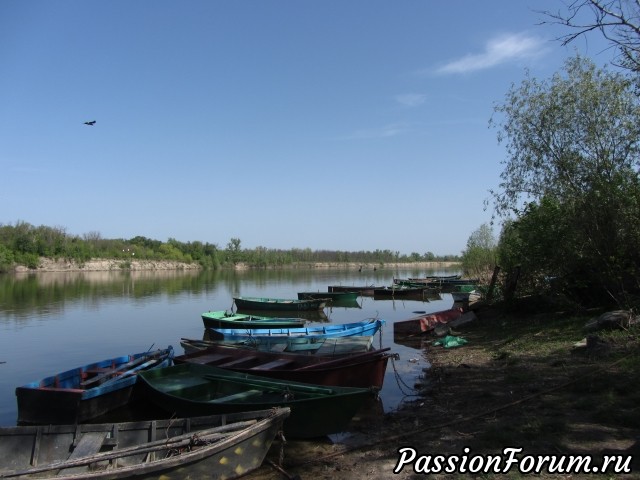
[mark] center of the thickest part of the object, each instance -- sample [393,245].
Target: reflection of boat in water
[366,290]
[310,315]
[346,303]
[332,296]
[386,293]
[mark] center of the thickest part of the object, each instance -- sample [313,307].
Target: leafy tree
[234,251]
[571,175]
[479,258]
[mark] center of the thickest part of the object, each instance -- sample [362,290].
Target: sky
[347,125]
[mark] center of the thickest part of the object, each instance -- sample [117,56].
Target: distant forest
[24,244]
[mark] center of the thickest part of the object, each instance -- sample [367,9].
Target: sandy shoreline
[97,265]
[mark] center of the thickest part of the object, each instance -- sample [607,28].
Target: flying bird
[92,123]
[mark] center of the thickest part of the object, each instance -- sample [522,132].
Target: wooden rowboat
[333,296]
[362,289]
[302,345]
[357,370]
[201,389]
[278,304]
[224,319]
[426,322]
[400,291]
[274,335]
[86,392]
[221,446]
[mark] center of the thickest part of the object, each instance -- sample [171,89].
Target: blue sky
[333,124]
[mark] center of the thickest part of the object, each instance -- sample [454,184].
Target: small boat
[365,290]
[400,291]
[225,319]
[333,296]
[307,315]
[303,345]
[357,370]
[230,445]
[86,392]
[463,296]
[278,304]
[426,322]
[362,328]
[203,390]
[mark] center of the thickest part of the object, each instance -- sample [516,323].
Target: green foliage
[6,258]
[571,180]
[479,258]
[24,244]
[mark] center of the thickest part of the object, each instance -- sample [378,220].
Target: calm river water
[50,322]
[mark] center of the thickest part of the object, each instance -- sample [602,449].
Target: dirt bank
[94,265]
[519,382]
[50,265]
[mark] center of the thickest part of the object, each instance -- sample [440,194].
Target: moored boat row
[319,374]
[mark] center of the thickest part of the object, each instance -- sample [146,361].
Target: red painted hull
[427,322]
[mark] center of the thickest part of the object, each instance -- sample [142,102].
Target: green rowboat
[204,390]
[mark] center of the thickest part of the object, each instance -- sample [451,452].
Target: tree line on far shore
[24,244]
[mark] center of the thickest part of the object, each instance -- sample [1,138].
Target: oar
[132,371]
[120,368]
[269,384]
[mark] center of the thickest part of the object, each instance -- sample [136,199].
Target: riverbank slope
[95,265]
[519,382]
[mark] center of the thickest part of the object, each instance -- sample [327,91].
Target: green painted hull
[204,390]
[223,319]
[277,304]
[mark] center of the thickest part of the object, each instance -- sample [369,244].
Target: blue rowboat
[86,392]
[274,335]
[296,345]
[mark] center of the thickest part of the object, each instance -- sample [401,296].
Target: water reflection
[52,322]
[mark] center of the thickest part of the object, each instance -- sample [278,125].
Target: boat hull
[202,390]
[308,346]
[238,444]
[278,304]
[356,370]
[427,322]
[67,398]
[222,319]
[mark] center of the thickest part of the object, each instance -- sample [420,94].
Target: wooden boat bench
[237,361]
[85,444]
[237,396]
[281,362]
[210,358]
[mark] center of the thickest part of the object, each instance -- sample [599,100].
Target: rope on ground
[388,439]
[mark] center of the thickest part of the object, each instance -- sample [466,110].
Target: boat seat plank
[209,358]
[281,362]
[237,396]
[89,444]
[237,361]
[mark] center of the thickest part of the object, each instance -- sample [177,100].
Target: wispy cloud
[386,131]
[411,99]
[497,51]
